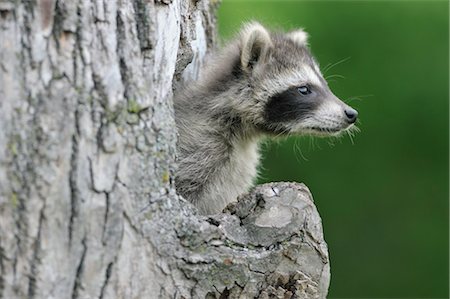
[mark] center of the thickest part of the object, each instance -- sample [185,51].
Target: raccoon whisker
[284,132]
[334,76]
[350,135]
[281,133]
[298,150]
[361,97]
[352,131]
[331,142]
[330,66]
[358,98]
[314,143]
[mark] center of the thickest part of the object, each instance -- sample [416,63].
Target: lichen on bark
[87,159]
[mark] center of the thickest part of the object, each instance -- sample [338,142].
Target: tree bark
[88,207]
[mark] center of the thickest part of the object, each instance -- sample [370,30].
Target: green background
[384,198]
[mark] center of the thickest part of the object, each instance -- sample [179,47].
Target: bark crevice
[79,270]
[143,23]
[107,276]
[35,259]
[74,197]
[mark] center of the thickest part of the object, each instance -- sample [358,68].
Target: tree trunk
[88,207]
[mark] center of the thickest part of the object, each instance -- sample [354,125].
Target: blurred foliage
[383,198]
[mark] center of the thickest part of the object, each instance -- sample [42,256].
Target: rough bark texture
[88,207]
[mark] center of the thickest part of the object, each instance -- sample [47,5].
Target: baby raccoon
[262,84]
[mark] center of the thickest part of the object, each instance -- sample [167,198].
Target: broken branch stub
[269,244]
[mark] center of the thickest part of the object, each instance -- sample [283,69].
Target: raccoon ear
[299,36]
[256,44]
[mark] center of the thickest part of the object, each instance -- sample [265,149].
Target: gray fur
[222,117]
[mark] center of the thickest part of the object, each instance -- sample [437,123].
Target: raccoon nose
[351,114]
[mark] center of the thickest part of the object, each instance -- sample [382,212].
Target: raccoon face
[289,90]
[308,108]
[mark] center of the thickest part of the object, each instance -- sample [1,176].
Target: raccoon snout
[351,114]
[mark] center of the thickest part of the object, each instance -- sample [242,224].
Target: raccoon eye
[304,90]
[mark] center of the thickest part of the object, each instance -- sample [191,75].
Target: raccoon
[262,84]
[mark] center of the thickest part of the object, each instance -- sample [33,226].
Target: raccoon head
[287,87]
